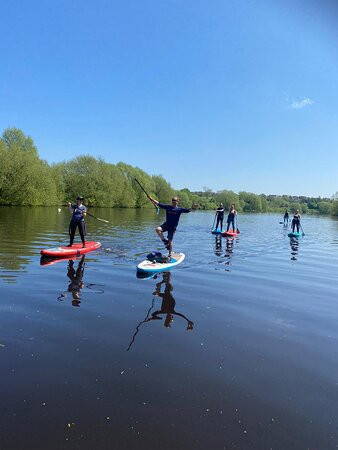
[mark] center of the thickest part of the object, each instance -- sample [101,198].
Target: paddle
[98,218]
[157,209]
[237,229]
[302,229]
[213,224]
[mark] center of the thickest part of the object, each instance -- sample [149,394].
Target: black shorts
[170,230]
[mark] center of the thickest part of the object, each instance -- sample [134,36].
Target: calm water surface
[235,348]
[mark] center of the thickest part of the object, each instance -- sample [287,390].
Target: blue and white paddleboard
[295,234]
[153,267]
[218,231]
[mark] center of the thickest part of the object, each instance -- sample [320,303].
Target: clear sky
[228,94]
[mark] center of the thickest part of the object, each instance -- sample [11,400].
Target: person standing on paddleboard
[231,217]
[286,217]
[220,216]
[78,212]
[296,221]
[173,213]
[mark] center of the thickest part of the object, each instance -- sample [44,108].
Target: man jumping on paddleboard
[78,212]
[173,213]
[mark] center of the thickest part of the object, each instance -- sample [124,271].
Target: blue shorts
[169,229]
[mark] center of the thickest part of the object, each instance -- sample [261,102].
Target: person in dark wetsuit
[296,221]
[173,213]
[78,212]
[220,216]
[286,217]
[231,217]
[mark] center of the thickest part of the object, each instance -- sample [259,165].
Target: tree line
[25,179]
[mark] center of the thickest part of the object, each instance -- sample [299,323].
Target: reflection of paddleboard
[230,233]
[48,261]
[151,267]
[218,231]
[74,250]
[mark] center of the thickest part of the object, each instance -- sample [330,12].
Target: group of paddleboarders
[231,217]
[173,213]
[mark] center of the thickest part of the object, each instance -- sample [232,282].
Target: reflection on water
[252,336]
[167,309]
[76,284]
[294,244]
[218,245]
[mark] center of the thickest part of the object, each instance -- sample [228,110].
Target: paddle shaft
[146,193]
[214,222]
[97,218]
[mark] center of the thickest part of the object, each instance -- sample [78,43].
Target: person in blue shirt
[78,212]
[173,213]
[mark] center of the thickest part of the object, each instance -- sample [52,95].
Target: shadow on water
[167,310]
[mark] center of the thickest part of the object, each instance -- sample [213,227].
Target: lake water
[235,348]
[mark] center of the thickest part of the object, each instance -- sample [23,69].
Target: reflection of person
[218,245]
[296,221]
[294,244]
[167,307]
[286,217]
[220,216]
[173,213]
[78,212]
[76,283]
[231,217]
[168,304]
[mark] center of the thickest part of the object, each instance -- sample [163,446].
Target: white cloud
[301,103]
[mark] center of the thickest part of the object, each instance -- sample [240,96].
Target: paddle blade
[238,231]
[103,220]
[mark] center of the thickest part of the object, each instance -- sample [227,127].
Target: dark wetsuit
[296,222]
[172,217]
[220,217]
[77,221]
[286,217]
[231,220]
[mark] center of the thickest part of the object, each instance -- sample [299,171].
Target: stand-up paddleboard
[295,234]
[74,250]
[153,266]
[230,233]
[218,231]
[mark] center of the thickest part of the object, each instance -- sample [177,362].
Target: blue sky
[238,95]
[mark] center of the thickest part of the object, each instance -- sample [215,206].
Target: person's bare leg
[170,247]
[160,233]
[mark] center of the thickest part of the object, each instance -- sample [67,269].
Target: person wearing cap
[173,213]
[78,212]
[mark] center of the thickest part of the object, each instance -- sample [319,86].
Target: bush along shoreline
[27,180]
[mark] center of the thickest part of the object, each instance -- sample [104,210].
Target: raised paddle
[157,209]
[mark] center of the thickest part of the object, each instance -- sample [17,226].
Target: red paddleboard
[74,250]
[230,233]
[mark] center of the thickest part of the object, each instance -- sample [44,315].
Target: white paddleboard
[151,267]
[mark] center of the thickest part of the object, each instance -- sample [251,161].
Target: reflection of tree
[76,283]
[294,244]
[20,228]
[167,307]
